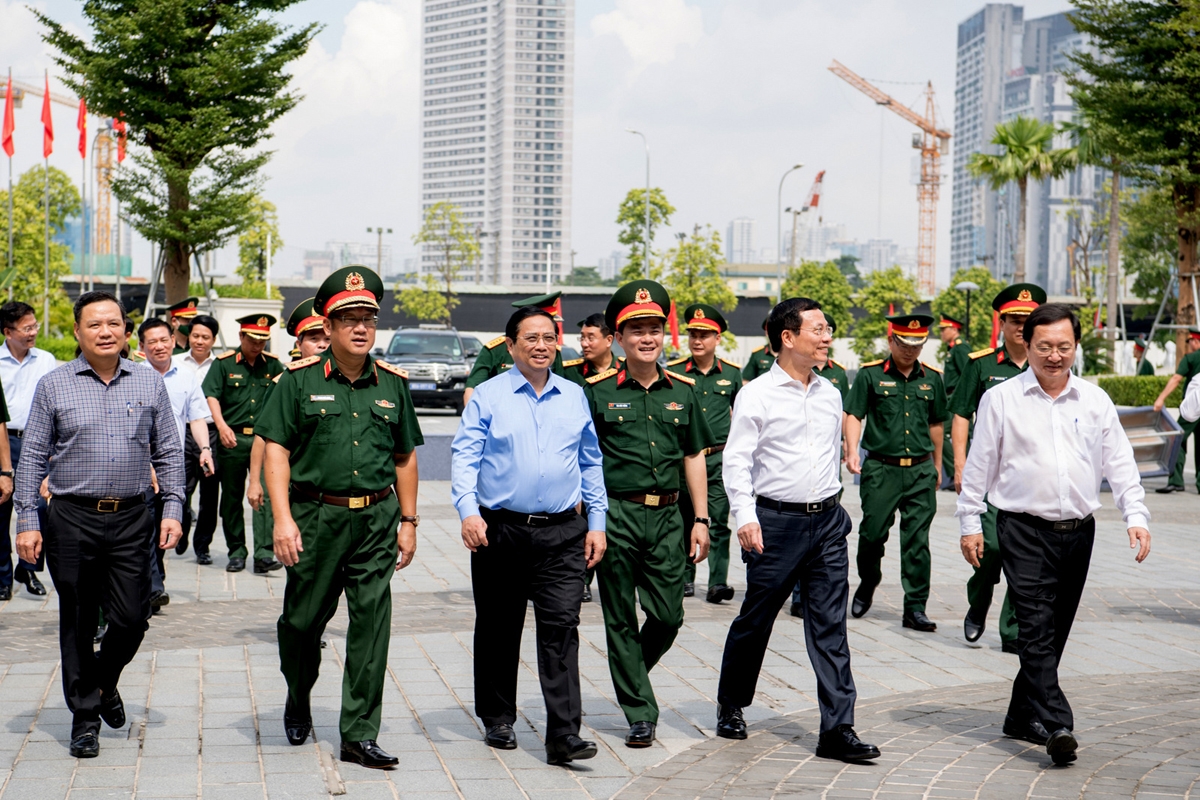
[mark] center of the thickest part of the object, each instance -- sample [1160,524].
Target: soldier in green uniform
[236,386]
[1189,368]
[904,404]
[985,369]
[958,355]
[832,371]
[1139,353]
[653,435]
[717,382]
[494,358]
[595,340]
[760,360]
[179,316]
[341,433]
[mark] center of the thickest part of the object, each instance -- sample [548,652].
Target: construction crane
[931,142]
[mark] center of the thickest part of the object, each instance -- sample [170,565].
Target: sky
[730,95]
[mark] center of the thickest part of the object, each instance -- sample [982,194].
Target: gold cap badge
[1025,295]
[642,296]
[699,314]
[914,324]
[354,282]
[262,322]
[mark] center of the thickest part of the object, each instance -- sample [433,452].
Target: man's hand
[44,491]
[594,546]
[853,462]
[228,437]
[206,462]
[29,546]
[698,542]
[154,480]
[6,489]
[972,547]
[406,543]
[1140,538]
[288,545]
[1158,404]
[170,532]
[958,478]
[938,467]
[254,493]
[750,537]
[474,533]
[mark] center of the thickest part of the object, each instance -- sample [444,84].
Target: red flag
[673,321]
[6,139]
[81,124]
[995,328]
[47,123]
[891,312]
[121,128]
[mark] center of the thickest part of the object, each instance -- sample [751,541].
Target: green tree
[454,248]
[848,264]
[953,303]
[252,242]
[827,284]
[631,216]
[882,289]
[693,274]
[1027,155]
[199,83]
[583,276]
[1150,244]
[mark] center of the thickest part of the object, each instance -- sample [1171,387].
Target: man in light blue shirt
[524,457]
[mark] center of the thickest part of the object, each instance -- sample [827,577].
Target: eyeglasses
[532,339]
[28,329]
[820,331]
[354,322]
[1063,350]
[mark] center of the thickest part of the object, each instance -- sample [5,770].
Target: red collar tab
[620,377]
[328,367]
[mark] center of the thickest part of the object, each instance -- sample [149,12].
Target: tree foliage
[454,248]
[882,289]
[631,216]
[583,276]
[693,274]
[848,265]
[199,83]
[953,303]
[252,242]
[1149,246]
[827,284]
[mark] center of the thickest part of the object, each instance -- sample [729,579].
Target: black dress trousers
[97,560]
[1046,571]
[210,488]
[809,550]
[519,564]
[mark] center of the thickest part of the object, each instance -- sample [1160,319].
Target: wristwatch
[6,473]
[415,519]
[705,521]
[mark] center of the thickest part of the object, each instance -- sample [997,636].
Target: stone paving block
[234,792]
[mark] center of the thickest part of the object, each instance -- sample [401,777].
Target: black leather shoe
[919,622]
[843,744]
[297,722]
[236,565]
[368,754]
[797,610]
[32,584]
[5,593]
[718,593]
[203,558]
[159,599]
[730,723]
[641,734]
[568,748]
[862,601]
[1061,746]
[689,590]
[264,565]
[587,594]
[1168,489]
[100,631]
[1030,730]
[85,745]
[501,737]
[1010,647]
[973,624]
[181,546]
[112,709]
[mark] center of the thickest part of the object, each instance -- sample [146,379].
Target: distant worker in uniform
[341,435]
[494,358]
[958,355]
[903,404]
[180,316]
[760,361]
[653,437]
[595,340]
[986,369]
[717,382]
[236,386]
[1139,354]
[1187,370]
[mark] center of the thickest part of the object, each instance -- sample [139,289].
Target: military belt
[105,505]
[781,507]
[343,500]
[247,431]
[1052,525]
[900,462]
[651,500]
[708,451]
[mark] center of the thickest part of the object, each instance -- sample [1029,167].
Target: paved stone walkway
[205,696]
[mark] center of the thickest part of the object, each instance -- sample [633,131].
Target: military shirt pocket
[616,416]
[322,421]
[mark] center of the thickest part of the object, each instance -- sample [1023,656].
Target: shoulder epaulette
[574,362]
[303,362]
[836,364]
[226,354]
[762,349]
[871,363]
[987,351]
[138,354]
[499,340]
[677,361]
[276,378]
[684,378]
[733,364]
[270,355]
[608,373]
[932,367]
[392,368]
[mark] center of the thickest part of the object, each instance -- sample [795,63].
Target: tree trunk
[178,268]
[1019,256]
[1114,253]
[1187,200]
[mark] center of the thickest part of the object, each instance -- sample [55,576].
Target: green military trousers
[1189,429]
[352,551]
[644,555]
[718,534]
[235,467]
[981,586]
[912,491]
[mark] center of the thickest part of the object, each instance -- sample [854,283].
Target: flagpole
[46,168]
[10,189]
[118,249]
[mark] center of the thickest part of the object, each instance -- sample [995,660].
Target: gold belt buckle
[247,431]
[906,462]
[114,506]
[359,502]
[652,500]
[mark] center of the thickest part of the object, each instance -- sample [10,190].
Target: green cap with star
[637,300]
[354,286]
[1020,298]
[302,319]
[910,329]
[703,317]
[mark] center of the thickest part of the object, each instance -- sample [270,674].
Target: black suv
[436,362]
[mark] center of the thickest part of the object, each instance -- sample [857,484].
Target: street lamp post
[967,287]
[779,232]
[379,248]
[646,245]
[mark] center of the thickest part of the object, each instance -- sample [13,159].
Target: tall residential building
[739,244]
[496,130]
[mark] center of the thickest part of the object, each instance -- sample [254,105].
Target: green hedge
[63,347]
[1139,390]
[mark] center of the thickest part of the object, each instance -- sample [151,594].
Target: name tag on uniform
[724,383]
[673,406]
[997,377]
[322,398]
[385,404]
[615,406]
[233,376]
[887,383]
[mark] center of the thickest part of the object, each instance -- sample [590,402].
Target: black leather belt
[647,499]
[343,500]
[1051,525]
[781,507]
[545,520]
[708,451]
[900,462]
[17,432]
[106,505]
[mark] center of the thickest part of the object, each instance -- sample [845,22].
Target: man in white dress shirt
[198,359]
[1043,442]
[782,473]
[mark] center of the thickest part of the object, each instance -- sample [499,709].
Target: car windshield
[423,343]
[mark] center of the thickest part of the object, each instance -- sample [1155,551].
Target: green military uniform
[1146,368]
[1189,368]
[241,389]
[495,358]
[342,437]
[898,473]
[717,389]
[183,311]
[578,370]
[835,373]
[645,433]
[958,355]
[760,360]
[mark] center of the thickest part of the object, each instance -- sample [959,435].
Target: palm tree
[1027,154]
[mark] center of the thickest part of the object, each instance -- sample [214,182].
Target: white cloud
[651,30]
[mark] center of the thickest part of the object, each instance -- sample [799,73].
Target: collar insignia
[354,282]
[673,406]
